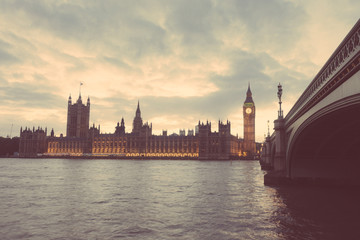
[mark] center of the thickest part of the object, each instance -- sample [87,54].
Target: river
[165,199]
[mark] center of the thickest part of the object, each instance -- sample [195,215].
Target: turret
[224,129]
[79,99]
[88,102]
[69,101]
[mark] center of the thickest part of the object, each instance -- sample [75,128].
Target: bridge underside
[329,148]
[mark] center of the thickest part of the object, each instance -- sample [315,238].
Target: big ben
[249,124]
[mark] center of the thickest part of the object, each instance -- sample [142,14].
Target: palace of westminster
[84,141]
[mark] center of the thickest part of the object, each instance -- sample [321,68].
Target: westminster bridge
[318,141]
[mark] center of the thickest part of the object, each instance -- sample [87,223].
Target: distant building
[32,142]
[81,140]
[218,145]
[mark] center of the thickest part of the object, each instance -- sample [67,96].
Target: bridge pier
[265,161]
[278,175]
[280,146]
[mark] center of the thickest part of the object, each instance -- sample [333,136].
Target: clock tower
[249,124]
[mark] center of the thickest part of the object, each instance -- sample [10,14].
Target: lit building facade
[140,142]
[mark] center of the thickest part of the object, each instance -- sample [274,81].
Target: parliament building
[84,141]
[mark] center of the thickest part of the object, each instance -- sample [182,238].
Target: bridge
[318,141]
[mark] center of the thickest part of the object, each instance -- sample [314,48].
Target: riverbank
[278,178]
[133,158]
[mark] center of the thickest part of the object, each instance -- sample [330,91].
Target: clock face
[248,110]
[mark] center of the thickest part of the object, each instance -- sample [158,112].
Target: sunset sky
[184,61]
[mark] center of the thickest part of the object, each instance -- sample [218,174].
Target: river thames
[165,199]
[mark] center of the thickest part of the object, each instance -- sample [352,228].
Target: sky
[184,61]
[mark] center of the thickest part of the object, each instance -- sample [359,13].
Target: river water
[165,199]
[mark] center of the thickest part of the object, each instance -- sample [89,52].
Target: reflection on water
[318,213]
[112,199]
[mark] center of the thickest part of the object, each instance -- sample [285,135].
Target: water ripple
[109,199]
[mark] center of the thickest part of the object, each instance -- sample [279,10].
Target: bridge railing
[320,86]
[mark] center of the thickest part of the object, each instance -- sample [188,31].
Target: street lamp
[279,93]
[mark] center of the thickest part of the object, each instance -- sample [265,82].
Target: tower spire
[249,95]
[138,112]
[137,123]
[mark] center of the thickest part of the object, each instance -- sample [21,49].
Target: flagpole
[80,88]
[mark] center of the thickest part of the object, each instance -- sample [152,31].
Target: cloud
[6,58]
[29,95]
[185,60]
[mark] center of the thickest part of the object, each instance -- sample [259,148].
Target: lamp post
[279,93]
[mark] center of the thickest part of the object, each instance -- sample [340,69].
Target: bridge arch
[327,144]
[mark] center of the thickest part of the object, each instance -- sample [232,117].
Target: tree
[8,146]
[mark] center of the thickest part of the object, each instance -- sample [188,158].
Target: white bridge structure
[319,139]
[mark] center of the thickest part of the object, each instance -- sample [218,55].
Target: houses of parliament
[87,141]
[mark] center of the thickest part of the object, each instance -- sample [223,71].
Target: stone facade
[78,118]
[249,124]
[84,141]
[32,142]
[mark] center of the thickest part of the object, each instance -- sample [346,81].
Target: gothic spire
[249,95]
[138,112]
